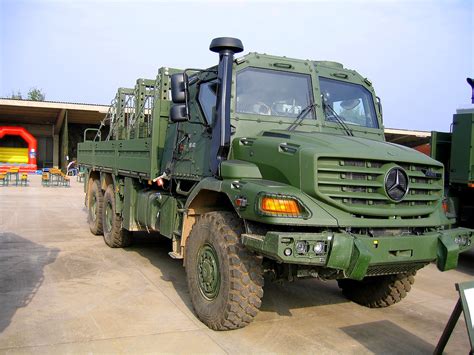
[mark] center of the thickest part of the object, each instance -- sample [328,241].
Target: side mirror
[178,113]
[178,88]
[470,81]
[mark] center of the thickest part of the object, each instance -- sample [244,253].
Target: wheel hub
[208,272]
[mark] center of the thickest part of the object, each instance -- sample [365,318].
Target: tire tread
[378,291]
[119,237]
[96,226]
[246,275]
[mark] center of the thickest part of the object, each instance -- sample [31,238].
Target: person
[250,104]
[71,169]
[351,112]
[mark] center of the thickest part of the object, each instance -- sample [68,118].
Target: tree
[36,94]
[16,96]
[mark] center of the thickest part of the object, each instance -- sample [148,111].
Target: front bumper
[359,256]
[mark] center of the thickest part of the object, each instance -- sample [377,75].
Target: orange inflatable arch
[23,133]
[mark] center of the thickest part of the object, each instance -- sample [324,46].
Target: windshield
[273,93]
[352,103]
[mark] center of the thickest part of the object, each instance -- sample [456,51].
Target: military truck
[456,151]
[266,165]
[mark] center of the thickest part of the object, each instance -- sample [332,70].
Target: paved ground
[62,290]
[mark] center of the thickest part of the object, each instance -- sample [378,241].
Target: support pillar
[55,150]
[64,159]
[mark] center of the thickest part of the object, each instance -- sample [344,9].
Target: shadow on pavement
[385,337]
[155,249]
[466,262]
[281,298]
[277,298]
[21,263]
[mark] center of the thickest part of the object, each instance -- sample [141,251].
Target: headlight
[319,247]
[301,247]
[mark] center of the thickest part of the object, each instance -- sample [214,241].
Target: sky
[416,53]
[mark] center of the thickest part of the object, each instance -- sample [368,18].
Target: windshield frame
[370,110]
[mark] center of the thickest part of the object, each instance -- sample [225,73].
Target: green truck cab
[267,165]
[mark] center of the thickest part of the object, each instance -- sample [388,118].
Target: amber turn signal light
[273,205]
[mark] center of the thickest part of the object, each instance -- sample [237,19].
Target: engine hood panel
[357,147]
[347,172]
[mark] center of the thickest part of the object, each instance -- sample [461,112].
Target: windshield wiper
[301,116]
[338,119]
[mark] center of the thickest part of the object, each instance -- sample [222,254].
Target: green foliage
[36,94]
[16,96]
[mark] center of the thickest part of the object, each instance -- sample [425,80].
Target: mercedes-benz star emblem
[396,184]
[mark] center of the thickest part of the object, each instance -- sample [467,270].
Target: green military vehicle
[267,165]
[456,151]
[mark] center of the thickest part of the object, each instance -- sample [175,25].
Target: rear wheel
[115,236]
[378,291]
[224,279]
[95,203]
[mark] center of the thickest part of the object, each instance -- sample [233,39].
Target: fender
[251,189]
[230,170]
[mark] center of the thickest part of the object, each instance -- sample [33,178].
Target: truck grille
[358,186]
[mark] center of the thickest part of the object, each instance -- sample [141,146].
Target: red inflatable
[32,147]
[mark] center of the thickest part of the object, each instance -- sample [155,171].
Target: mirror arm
[379,104]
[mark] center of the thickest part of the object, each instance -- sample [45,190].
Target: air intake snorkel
[220,143]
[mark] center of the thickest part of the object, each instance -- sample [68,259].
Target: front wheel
[225,280]
[378,291]
[115,236]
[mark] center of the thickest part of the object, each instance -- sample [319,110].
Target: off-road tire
[115,236]
[378,291]
[240,273]
[95,203]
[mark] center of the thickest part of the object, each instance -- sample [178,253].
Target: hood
[355,147]
[278,150]
[347,172]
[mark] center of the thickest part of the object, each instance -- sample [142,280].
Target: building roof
[52,113]
[409,138]
[48,112]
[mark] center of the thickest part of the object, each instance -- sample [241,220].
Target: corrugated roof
[55,102]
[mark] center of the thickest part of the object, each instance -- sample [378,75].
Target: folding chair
[4,179]
[45,178]
[24,179]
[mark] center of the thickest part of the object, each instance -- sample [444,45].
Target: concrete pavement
[62,290]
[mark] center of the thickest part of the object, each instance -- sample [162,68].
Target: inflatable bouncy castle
[22,158]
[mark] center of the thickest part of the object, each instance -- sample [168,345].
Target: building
[59,126]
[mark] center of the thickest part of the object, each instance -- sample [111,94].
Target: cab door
[194,137]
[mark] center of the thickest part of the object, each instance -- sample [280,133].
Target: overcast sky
[416,53]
